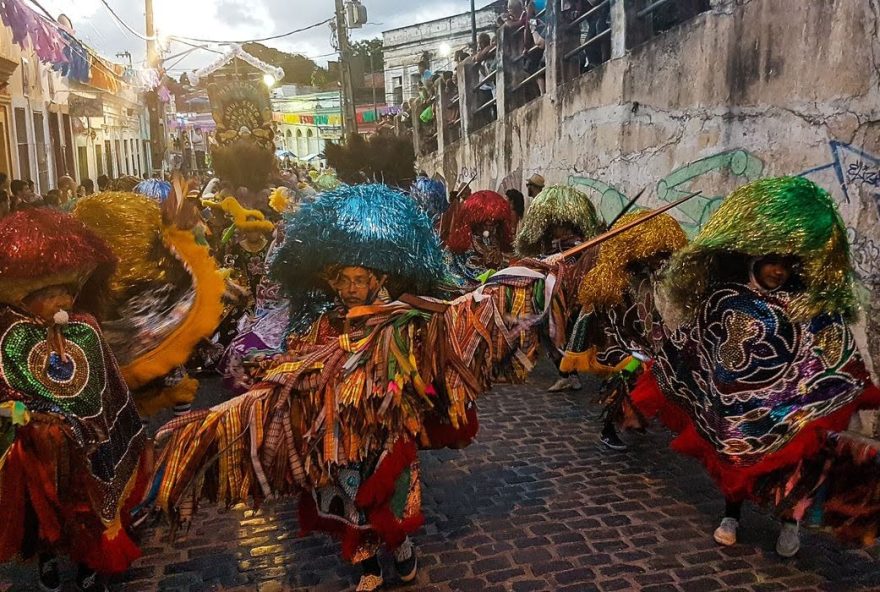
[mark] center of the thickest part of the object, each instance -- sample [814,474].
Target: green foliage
[366,48]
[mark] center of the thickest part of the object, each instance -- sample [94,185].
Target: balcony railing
[552,48]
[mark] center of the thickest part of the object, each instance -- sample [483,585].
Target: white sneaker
[405,561]
[725,534]
[789,541]
[565,383]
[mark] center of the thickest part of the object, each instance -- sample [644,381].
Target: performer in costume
[559,218]
[339,419]
[166,296]
[765,368]
[261,333]
[245,250]
[72,459]
[481,237]
[431,196]
[619,325]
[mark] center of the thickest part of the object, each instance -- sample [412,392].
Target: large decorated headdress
[43,248]
[157,189]
[430,194]
[482,207]
[370,226]
[606,282]
[788,216]
[130,224]
[556,205]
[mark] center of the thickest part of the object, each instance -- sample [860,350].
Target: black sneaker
[88,580]
[612,440]
[49,579]
[405,561]
[371,576]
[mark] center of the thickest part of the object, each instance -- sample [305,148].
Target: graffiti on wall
[853,178]
[740,165]
[851,173]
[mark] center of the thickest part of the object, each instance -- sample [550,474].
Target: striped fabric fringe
[338,403]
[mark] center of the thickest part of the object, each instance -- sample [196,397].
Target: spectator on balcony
[486,60]
[535,30]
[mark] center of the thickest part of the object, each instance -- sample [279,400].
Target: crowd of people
[355,325]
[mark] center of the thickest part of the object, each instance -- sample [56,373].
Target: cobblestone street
[535,504]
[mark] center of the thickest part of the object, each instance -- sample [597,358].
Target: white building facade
[441,38]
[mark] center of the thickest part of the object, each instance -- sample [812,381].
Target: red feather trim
[12,492]
[441,434]
[379,488]
[737,483]
[480,208]
[310,521]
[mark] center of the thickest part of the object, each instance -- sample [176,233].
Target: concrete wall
[753,88]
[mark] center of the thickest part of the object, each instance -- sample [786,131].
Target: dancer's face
[356,286]
[44,303]
[772,272]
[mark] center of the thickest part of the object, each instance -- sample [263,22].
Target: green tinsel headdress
[556,205]
[787,216]
[371,226]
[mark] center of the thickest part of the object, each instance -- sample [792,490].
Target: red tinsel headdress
[480,208]
[43,247]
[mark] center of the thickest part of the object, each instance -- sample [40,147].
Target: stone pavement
[534,505]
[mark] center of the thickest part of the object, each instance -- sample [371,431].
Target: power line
[242,42]
[124,24]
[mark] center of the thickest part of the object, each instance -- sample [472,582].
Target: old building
[438,40]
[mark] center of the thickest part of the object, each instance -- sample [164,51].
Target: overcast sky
[235,20]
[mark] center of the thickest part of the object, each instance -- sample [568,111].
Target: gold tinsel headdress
[606,283]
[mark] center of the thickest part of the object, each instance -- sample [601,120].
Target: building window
[125,145]
[119,168]
[302,145]
[42,153]
[24,149]
[108,158]
[83,155]
[67,132]
[397,89]
[25,77]
[99,160]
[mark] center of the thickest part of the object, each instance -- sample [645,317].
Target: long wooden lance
[615,231]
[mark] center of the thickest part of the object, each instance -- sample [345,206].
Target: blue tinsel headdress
[431,196]
[154,188]
[370,226]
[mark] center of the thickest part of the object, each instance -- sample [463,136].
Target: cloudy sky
[236,20]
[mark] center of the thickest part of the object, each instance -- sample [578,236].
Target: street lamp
[445,50]
[269,80]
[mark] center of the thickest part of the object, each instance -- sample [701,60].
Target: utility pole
[155,110]
[349,118]
[473,26]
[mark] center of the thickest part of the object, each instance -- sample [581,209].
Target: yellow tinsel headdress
[606,283]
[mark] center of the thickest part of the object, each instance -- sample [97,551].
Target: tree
[367,48]
[380,158]
[298,69]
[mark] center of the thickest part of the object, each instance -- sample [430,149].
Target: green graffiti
[611,200]
[680,182]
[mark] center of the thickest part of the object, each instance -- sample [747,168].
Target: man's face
[772,273]
[45,303]
[356,286]
[533,190]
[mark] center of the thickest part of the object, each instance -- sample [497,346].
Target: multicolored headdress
[430,194]
[482,207]
[246,219]
[154,188]
[42,248]
[280,199]
[606,283]
[556,205]
[788,216]
[371,226]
